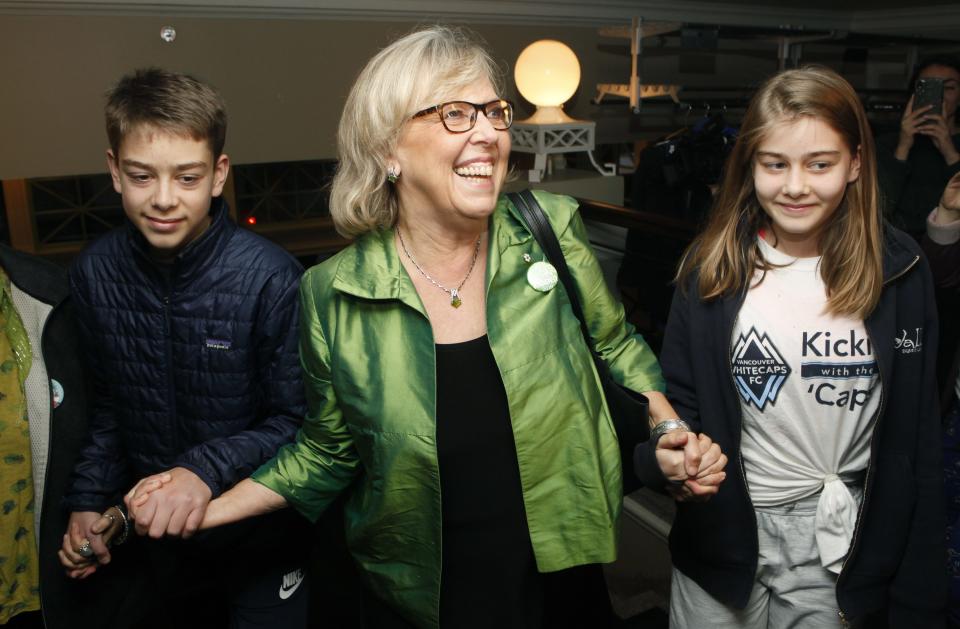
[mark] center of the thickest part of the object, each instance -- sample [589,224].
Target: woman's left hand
[709,475]
[693,464]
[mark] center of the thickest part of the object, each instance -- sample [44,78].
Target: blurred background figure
[42,422]
[916,162]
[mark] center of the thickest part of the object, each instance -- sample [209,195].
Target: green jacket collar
[371,268]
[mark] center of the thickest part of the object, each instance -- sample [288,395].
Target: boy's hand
[84,530]
[176,508]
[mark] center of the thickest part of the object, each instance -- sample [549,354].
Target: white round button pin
[542,276]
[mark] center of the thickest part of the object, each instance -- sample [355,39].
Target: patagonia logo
[218,344]
[758,369]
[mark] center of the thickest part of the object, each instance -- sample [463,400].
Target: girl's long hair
[726,255]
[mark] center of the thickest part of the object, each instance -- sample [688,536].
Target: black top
[489,577]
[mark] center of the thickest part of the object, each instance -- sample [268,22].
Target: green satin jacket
[367,351]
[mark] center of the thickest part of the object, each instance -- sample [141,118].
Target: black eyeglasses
[460,116]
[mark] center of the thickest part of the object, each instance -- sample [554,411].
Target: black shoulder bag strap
[628,409]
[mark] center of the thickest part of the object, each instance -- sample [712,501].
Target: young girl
[801,339]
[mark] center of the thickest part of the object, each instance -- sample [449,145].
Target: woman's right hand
[910,124]
[244,500]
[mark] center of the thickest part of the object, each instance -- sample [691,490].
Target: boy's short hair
[170,101]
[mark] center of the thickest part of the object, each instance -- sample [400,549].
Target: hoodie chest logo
[909,341]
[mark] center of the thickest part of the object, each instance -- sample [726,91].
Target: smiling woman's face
[447,172]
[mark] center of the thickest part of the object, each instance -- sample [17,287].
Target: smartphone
[929,92]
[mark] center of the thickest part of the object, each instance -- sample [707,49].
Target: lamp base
[544,139]
[549,115]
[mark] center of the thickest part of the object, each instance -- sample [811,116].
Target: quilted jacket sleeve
[224,461]
[101,473]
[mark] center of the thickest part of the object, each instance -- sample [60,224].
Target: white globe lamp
[547,74]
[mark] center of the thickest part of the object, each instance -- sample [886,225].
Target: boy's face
[167,182]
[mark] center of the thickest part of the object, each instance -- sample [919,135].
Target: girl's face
[800,173]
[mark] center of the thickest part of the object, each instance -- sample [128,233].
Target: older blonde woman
[460,403]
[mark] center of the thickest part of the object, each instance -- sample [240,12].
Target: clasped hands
[171,503]
[693,464]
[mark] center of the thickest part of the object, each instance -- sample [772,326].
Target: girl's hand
[712,462]
[678,455]
[709,477]
[693,464]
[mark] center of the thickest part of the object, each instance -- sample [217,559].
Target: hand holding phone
[929,92]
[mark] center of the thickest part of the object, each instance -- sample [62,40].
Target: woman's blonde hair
[726,254]
[417,71]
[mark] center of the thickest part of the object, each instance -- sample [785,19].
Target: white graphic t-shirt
[809,391]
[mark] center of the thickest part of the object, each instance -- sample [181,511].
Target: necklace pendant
[455,300]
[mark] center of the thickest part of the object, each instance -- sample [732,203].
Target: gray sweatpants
[791,588]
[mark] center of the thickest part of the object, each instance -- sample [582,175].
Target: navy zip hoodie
[896,564]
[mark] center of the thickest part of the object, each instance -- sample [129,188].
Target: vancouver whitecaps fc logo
[759,370]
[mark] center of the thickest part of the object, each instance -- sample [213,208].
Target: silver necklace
[454,293]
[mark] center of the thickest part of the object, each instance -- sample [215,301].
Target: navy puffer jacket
[195,364]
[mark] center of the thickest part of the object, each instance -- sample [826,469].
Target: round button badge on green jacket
[542,276]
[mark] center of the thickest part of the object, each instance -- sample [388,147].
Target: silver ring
[85,550]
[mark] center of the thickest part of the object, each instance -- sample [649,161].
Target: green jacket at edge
[367,351]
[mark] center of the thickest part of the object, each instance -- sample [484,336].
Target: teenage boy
[190,326]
